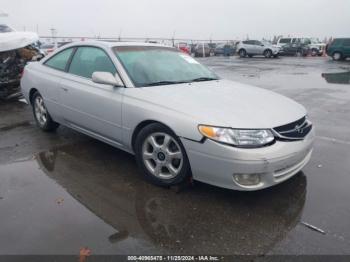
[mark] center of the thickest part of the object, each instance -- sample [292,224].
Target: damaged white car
[16,50]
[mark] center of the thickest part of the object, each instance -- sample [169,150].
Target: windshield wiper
[200,79]
[167,82]
[160,83]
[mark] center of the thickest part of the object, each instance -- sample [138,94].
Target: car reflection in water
[200,219]
[337,78]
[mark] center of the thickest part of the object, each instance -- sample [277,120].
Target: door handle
[65,89]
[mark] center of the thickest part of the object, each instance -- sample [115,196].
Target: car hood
[225,103]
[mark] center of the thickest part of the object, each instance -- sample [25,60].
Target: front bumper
[216,164]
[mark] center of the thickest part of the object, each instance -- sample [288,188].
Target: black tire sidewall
[144,133]
[242,53]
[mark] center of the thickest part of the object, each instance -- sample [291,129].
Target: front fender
[136,111]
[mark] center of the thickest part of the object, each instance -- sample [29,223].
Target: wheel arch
[32,91]
[337,51]
[142,125]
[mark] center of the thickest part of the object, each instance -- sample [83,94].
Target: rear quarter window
[60,60]
[249,42]
[88,60]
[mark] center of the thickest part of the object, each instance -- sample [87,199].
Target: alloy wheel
[268,53]
[40,111]
[337,56]
[162,155]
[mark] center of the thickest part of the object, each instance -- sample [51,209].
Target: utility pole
[173,38]
[120,35]
[53,35]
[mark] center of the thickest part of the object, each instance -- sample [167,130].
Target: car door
[249,46]
[289,49]
[50,77]
[92,108]
[259,47]
[346,47]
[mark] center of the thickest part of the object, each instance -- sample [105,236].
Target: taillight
[329,44]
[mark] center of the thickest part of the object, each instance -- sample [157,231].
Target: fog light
[247,179]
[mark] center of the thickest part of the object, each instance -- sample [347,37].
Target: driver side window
[88,60]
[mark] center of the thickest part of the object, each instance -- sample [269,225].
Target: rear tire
[41,114]
[314,52]
[160,156]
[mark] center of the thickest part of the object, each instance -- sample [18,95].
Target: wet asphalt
[63,191]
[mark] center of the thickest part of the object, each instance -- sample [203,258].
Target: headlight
[238,137]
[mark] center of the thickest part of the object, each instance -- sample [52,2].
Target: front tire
[268,53]
[161,156]
[337,56]
[41,114]
[242,53]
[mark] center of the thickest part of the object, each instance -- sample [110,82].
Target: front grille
[296,130]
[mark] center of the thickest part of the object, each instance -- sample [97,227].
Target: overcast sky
[198,19]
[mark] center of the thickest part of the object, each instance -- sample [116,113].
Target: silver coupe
[175,115]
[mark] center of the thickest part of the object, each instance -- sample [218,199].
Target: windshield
[150,66]
[284,40]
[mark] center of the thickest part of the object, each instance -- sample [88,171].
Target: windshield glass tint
[285,40]
[148,65]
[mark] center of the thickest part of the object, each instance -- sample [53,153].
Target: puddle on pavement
[106,203]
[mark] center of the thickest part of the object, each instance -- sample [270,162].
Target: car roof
[101,44]
[110,44]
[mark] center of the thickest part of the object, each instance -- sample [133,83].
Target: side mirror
[107,78]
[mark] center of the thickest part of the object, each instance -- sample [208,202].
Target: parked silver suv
[254,47]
